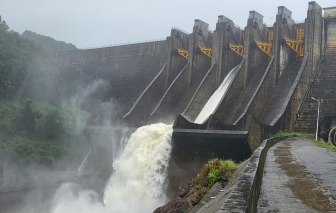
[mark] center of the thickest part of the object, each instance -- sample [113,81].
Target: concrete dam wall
[277,70]
[280,68]
[128,69]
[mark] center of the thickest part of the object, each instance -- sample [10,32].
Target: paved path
[298,177]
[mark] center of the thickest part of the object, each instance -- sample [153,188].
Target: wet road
[298,177]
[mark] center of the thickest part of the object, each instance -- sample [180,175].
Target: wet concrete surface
[213,200]
[298,177]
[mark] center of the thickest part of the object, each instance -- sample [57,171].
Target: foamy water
[211,105]
[140,173]
[137,184]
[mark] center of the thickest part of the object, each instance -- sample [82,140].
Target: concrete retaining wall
[244,198]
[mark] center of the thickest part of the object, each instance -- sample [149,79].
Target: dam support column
[283,28]
[177,54]
[199,62]
[255,30]
[226,33]
[313,35]
[313,46]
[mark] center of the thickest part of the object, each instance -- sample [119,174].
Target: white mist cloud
[70,198]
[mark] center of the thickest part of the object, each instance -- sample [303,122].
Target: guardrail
[267,25]
[183,31]
[236,26]
[299,22]
[121,44]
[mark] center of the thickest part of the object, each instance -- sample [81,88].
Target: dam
[224,91]
[276,68]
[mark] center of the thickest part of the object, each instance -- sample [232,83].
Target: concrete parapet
[244,198]
[329,12]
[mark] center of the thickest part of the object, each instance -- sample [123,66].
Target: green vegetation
[33,132]
[324,144]
[48,42]
[213,171]
[38,122]
[290,133]
[29,71]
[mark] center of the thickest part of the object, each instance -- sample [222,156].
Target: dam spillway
[277,66]
[154,83]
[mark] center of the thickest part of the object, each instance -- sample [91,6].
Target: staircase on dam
[323,87]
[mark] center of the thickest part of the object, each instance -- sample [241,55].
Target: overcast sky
[92,23]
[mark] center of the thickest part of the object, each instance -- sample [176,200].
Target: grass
[324,144]
[213,171]
[290,133]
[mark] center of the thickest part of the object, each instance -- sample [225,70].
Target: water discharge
[215,99]
[140,172]
[138,182]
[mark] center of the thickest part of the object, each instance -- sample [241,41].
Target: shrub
[210,173]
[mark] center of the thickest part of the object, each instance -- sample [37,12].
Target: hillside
[40,121]
[48,42]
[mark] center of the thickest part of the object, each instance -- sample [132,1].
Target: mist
[63,146]
[106,169]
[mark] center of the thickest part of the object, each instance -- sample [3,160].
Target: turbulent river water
[139,180]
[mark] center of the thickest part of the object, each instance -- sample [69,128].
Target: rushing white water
[211,105]
[137,184]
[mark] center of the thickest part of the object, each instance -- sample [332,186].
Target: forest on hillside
[48,42]
[40,121]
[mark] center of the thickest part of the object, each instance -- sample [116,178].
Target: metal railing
[183,31]
[121,44]
[236,26]
[299,22]
[267,25]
